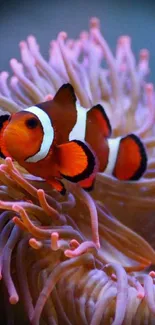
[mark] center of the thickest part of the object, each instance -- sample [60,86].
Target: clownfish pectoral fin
[4,120]
[98,115]
[57,185]
[65,95]
[131,162]
[76,161]
[88,184]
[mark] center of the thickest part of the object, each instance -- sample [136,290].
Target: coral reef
[46,261]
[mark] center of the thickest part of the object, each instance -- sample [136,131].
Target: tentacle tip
[22,44]
[48,97]
[13,300]
[74,244]
[69,253]
[94,23]
[144,54]
[31,37]
[113,277]
[8,160]
[4,74]
[41,195]
[55,241]
[149,87]
[125,40]
[35,243]
[62,36]
[16,207]
[3,168]
[40,191]
[31,242]
[152,274]
[84,35]
[55,235]
[18,223]
[13,61]
[140,295]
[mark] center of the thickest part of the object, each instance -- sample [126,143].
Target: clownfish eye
[32,123]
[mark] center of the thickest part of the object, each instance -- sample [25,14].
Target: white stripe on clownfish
[48,134]
[113,153]
[79,130]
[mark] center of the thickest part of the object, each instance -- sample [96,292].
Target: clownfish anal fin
[4,120]
[98,115]
[65,95]
[131,161]
[88,184]
[76,161]
[57,185]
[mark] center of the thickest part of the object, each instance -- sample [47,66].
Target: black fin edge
[63,191]
[1,155]
[70,88]
[102,110]
[90,167]
[4,118]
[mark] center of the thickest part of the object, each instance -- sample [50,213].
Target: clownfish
[60,139]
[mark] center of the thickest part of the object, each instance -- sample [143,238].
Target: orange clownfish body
[60,139]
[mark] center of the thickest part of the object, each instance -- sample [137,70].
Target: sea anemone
[49,265]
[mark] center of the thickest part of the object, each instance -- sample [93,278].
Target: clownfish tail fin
[4,120]
[127,158]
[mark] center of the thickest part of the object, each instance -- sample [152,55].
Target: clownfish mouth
[13,136]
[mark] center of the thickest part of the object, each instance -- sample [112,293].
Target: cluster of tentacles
[48,259]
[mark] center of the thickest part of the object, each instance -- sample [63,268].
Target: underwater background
[45,19]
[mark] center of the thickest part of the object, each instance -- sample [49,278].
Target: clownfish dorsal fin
[76,161]
[98,115]
[131,160]
[65,95]
[4,121]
